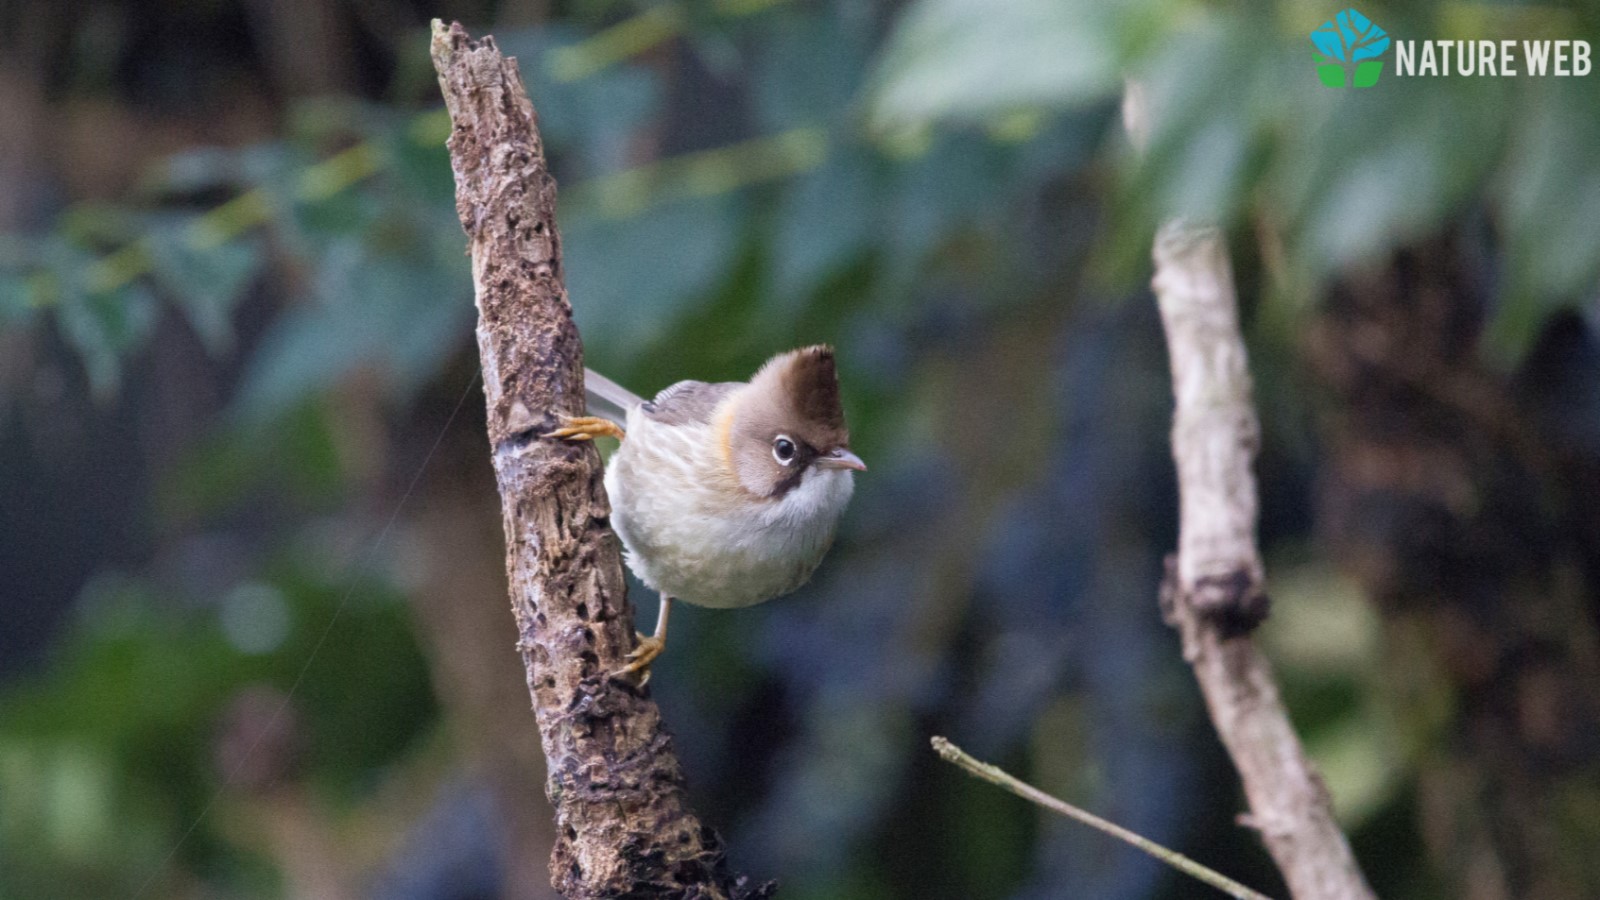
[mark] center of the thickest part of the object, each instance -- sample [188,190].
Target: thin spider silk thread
[362,564]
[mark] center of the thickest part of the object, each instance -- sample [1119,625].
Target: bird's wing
[688,402]
[684,403]
[608,399]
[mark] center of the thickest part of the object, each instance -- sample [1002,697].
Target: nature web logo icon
[1350,41]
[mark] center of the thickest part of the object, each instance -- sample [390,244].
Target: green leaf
[1371,170]
[400,316]
[1210,98]
[974,61]
[1550,200]
[101,326]
[392,313]
[206,282]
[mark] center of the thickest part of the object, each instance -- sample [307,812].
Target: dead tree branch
[1214,593]
[624,827]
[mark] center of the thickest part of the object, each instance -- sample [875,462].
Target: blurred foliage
[943,191]
[120,750]
[1239,136]
[1339,177]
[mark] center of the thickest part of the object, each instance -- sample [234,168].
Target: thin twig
[1000,778]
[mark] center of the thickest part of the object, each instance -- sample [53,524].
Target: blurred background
[243,470]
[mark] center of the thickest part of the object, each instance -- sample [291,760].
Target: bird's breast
[693,533]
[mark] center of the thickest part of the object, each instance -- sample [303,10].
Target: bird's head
[789,424]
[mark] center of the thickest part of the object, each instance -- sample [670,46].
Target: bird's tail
[608,399]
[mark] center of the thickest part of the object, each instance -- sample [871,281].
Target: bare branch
[1214,593]
[624,827]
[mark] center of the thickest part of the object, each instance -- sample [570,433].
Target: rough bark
[1214,594]
[624,827]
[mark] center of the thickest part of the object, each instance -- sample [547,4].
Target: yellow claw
[641,657]
[650,646]
[586,428]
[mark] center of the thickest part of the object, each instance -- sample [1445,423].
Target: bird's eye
[783,450]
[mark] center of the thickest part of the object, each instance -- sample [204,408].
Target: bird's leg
[650,646]
[586,428]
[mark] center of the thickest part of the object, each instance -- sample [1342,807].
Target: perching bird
[728,494]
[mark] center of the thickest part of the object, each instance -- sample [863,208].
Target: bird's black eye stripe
[783,450]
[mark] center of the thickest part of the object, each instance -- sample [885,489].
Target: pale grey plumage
[707,510]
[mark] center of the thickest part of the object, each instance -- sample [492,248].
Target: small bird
[728,494]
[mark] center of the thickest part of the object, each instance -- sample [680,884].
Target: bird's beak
[841,459]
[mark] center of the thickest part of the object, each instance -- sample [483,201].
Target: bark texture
[1214,594]
[623,824]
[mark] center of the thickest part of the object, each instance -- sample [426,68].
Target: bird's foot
[640,657]
[586,428]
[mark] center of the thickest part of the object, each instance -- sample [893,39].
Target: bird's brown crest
[794,396]
[808,381]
